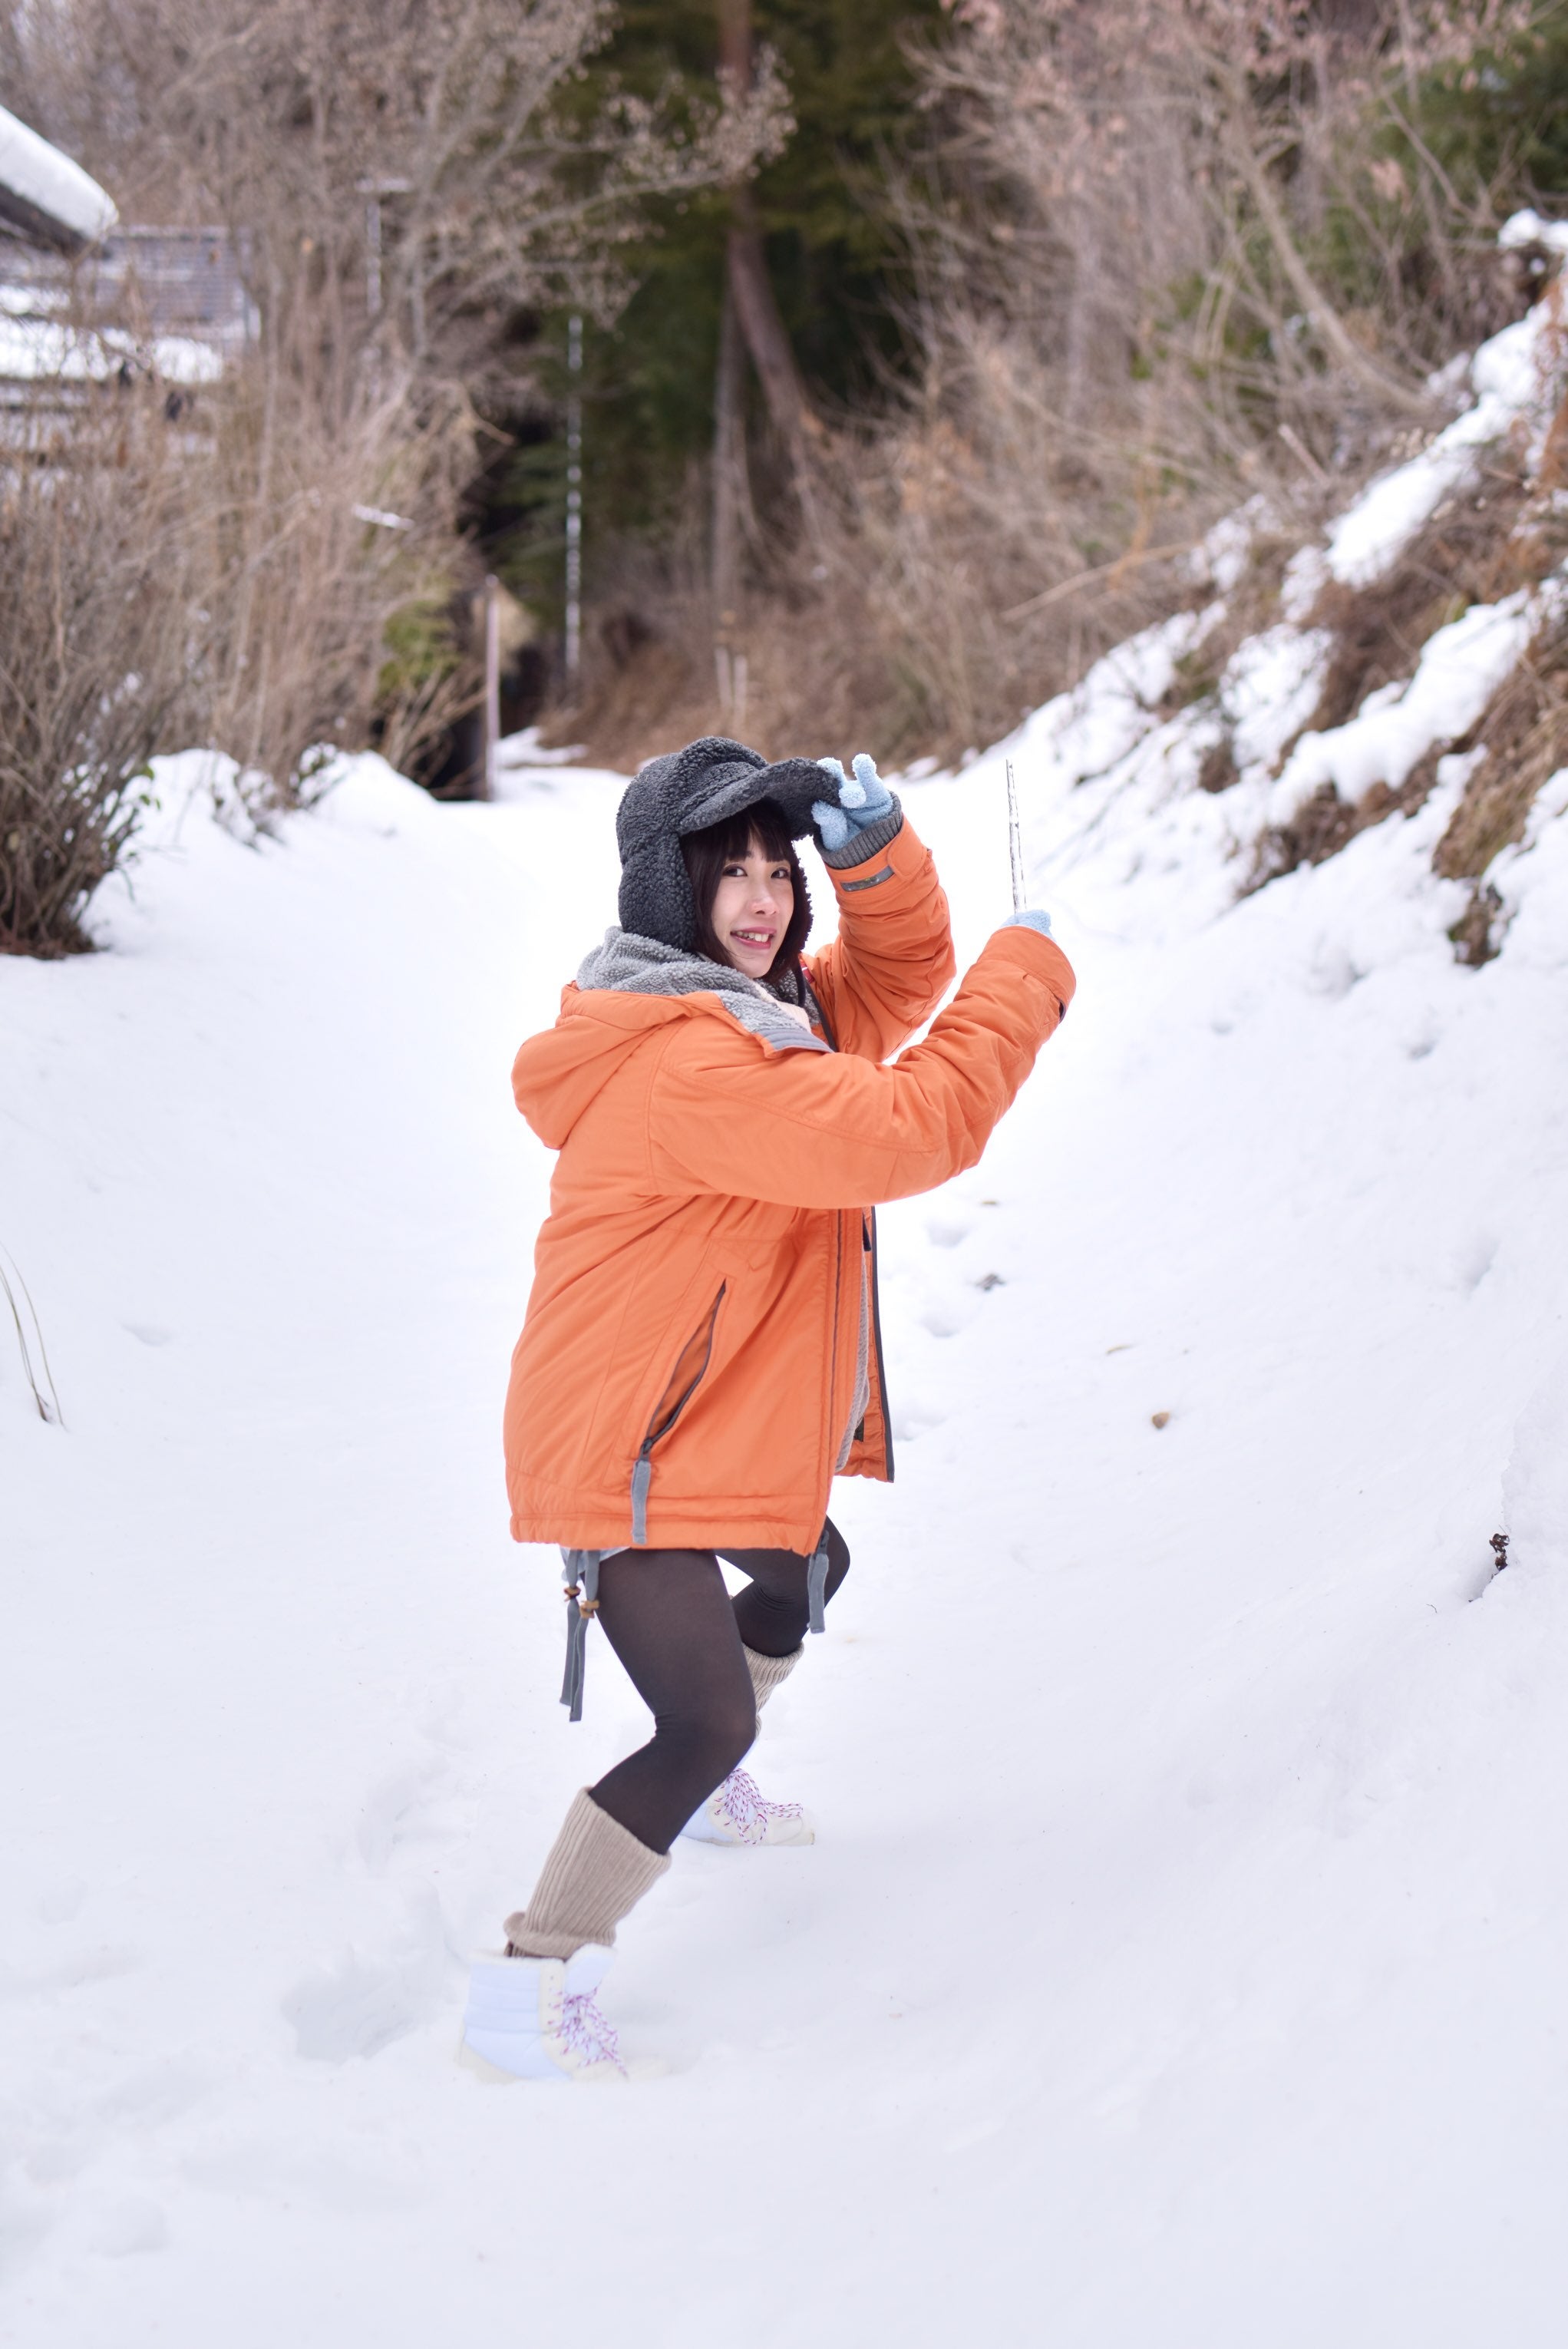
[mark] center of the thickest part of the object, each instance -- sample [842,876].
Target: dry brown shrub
[319,536]
[1325,823]
[96,643]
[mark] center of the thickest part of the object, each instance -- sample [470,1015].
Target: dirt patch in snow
[1524,732]
[1323,825]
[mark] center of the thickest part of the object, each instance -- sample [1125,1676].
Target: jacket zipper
[868,1242]
[833,1346]
[663,1421]
[877,1343]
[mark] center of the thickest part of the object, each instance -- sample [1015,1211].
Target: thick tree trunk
[764,329]
[750,289]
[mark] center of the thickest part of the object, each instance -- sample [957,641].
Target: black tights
[682,1639]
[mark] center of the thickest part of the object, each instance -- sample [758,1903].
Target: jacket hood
[625,987]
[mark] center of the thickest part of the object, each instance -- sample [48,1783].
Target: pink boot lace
[583,2031]
[745,1810]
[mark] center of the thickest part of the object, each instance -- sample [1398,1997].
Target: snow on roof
[39,349]
[45,194]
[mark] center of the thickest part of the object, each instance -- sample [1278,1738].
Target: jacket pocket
[689,1370]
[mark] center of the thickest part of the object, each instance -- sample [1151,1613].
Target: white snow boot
[740,1813]
[536,2019]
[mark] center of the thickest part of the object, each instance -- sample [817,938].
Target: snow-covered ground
[1183,1958]
[1182,1962]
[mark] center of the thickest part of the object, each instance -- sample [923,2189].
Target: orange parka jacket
[700,1354]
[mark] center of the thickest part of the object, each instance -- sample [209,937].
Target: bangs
[764,824]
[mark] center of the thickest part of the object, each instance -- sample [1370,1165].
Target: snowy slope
[1181,1964]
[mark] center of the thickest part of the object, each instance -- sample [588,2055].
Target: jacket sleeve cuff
[1040,955]
[865,844]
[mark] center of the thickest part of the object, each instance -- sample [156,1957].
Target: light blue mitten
[1032,918]
[864,801]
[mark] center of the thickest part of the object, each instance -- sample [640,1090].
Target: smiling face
[752,908]
[750,899]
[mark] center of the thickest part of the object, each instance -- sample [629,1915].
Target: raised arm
[727,1115]
[892,962]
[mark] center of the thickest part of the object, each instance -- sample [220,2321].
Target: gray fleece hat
[685,791]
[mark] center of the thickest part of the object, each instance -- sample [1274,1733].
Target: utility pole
[574,499]
[492,684]
[728,480]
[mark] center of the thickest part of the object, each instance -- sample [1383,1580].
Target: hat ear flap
[799,928]
[655,899]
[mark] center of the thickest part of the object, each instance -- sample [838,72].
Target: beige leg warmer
[769,1672]
[597,1873]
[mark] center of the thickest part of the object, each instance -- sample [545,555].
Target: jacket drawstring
[817,1586]
[580,1573]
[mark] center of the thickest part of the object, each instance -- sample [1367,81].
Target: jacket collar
[626,964]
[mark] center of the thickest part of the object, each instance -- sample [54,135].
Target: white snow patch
[1271,688]
[1306,576]
[1227,549]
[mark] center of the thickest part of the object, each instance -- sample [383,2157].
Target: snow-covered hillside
[1180,1964]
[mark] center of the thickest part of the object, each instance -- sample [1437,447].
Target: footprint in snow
[396,1811]
[363,2003]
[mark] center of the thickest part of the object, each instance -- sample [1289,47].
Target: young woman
[702,1353]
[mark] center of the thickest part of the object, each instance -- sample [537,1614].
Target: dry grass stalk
[39,1375]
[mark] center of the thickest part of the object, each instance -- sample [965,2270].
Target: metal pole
[373,255]
[575,499]
[492,684]
[1016,844]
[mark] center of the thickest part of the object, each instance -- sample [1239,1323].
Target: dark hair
[706,854]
